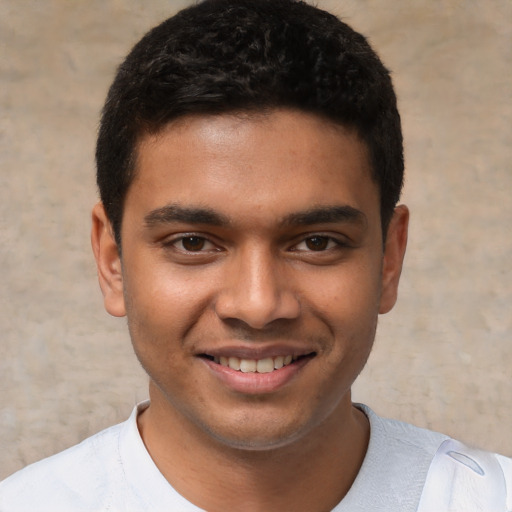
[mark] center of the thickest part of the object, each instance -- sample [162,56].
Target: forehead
[281,160]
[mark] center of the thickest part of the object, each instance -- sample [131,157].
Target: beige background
[443,356]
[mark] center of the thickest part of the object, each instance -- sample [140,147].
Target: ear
[394,251]
[108,261]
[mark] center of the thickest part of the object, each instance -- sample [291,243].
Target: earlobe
[108,261]
[394,252]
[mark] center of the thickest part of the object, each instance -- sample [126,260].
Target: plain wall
[442,358]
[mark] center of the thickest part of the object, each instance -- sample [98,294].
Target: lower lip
[254,383]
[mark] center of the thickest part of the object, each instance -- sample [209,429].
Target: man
[249,165]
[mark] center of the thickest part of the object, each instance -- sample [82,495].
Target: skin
[253,235]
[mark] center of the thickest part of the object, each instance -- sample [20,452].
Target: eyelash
[332,243]
[191,236]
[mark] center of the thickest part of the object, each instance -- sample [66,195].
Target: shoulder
[467,479]
[394,468]
[109,471]
[79,476]
[406,465]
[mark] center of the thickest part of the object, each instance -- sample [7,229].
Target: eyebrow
[190,215]
[326,215]
[197,215]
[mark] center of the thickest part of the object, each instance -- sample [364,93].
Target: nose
[256,290]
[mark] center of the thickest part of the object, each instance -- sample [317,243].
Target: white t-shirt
[112,471]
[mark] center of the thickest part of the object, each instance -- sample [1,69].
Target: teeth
[278,362]
[267,365]
[247,365]
[234,363]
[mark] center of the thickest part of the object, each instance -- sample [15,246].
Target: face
[252,272]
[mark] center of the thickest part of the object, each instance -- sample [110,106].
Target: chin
[258,436]
[256,443]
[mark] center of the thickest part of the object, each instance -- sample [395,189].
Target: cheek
[348,304]
[163,303]
[349,296]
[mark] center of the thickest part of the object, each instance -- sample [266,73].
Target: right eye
[192,243]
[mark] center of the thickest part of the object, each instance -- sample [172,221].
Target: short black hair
[223,56]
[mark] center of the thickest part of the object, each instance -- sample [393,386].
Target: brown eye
[193,243]
[317,243]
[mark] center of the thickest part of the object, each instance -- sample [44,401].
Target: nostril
[256,298]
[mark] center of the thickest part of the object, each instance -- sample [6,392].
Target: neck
[311,474]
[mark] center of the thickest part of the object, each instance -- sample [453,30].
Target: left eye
[316,243]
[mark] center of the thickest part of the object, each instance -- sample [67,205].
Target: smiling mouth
[265,365]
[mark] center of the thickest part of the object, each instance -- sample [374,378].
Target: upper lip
[257,352]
